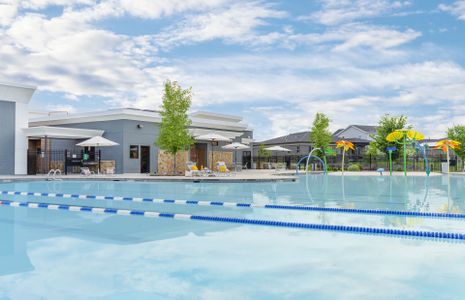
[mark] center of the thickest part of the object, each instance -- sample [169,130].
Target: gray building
[135,131]
[14,99]
[299,142]
[35,142]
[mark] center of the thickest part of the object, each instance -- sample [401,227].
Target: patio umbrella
[213,137]
[97,141]
[235,146]
[277,149]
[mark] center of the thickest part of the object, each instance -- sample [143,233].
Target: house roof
[367,128]
[298,137]
[302,138]
[338,131]
[199,120]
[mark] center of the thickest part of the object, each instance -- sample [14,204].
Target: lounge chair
[222,168]
[85,171]
[110,171]
[192,169]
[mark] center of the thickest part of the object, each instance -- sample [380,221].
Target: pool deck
[243,176]
[374,173]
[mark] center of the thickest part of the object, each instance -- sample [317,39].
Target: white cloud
[7,13]
[456,9]
[339,11]
[159,8]
[235,23]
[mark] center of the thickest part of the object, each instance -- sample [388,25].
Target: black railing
[365,162]
[67,161]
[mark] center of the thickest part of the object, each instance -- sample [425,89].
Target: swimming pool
[62,254]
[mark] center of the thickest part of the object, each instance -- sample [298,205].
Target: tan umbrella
[213,137]
[97,141]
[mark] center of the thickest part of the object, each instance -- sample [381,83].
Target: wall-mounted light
[140,126]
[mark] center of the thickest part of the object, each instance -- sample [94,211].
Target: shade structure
[235,146]
[277,148]
[212,137]
[97,141]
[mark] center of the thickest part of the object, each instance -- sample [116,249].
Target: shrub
[354,168]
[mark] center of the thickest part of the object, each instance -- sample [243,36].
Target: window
[134,152]
[297,149]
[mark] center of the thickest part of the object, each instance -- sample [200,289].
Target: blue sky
[276,63]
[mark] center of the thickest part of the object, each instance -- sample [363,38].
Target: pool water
[58,254]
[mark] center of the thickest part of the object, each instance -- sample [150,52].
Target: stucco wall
[7,137]
[125,133]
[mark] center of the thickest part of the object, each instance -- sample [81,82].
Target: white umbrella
[97,141]
[235,146]
[277,149]
[212,137]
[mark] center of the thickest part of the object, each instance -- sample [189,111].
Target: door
[247,159]
[145,159]
[199,155]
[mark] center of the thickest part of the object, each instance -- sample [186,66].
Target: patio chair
[85,171]
[110,171]
[222,168]
[192,169]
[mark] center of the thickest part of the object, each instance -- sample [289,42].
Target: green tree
[174,134]
[386,125]
[263,153]
[457,133]
[320,136]
[373,150]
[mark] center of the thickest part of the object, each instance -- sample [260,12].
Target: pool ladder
[53,173]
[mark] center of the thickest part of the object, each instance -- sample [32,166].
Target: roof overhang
[225,123]
[16,93]
[229,134]
[61,132]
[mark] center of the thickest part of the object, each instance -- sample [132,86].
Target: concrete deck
[245,175]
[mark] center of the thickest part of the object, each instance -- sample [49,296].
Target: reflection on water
[64,255]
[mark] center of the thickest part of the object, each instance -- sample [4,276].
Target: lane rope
[155,214]
[242,205]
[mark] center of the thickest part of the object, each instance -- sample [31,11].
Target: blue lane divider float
[154,214]
[244,205]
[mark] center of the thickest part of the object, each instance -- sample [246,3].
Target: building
[42,141]
[299,143]
[14,100]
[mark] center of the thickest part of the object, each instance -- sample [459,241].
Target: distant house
[299,142]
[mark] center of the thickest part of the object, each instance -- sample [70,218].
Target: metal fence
[365,162]
[67,161]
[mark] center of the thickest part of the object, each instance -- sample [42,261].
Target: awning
[61,132]
[199,132]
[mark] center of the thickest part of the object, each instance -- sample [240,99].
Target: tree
[174,134]
[320,136]
[386,125]
[263,153]
[457,133]
[373,150]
